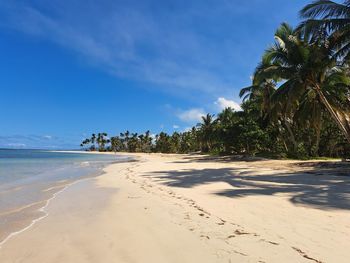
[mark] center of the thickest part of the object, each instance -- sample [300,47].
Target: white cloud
[49,137]
[176,126]
[191,115]
[223,103]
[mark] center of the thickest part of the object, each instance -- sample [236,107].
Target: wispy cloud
[168,49]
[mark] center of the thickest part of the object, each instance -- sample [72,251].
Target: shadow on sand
[319,190]
[222,159]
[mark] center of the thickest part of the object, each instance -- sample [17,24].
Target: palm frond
[324,9]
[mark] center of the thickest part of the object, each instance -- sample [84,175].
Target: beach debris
[302,253]
[134,197]
[241,232]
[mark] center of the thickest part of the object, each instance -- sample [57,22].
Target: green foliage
[297,106]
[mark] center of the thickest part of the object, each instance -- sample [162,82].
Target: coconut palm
[85,142]
[162,143]
[225,130]
[175,142]
[303,68]
[134,142]
[116,144]
[125,139]
[93,140]
[260,93]
[206,128]
[324,18]
[102,140]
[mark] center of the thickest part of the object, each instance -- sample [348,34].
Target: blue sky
[70,68]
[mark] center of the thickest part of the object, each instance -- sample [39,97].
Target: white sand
[169,208]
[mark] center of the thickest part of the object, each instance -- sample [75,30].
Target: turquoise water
[29,178]
[29,165]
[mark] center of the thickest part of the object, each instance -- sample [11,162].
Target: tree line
[298,104]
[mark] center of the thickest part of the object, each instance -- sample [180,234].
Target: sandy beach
[182,208]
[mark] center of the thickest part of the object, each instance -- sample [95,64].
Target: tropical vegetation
[298,104]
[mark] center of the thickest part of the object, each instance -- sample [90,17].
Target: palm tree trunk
[291,134]
[333,113]
[318,138]
[285,145]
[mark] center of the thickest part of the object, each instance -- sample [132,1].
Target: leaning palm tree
[324,18]
[301,68]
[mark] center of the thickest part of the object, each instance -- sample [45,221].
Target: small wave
[42,209]
[53,188]
[86,163]
[13,189]
[19,209]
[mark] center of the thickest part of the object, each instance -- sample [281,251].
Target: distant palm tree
[175,141]
[93,140]
[102,140]
[133,143]
[85,142]
[162,143]
[147,144]
[116,144]
[207,132]
[125,138]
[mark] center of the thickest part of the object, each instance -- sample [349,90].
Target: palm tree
[149,140]
[125,138]
[85,142]
[305,68]
[207,132]
[260,93]
[93,140]
[116,144]
[133,143]
[162,143]
[146,141]
[102,140]
[226,121]
[324,18]
[175,142]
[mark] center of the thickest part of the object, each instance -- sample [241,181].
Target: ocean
[30,178]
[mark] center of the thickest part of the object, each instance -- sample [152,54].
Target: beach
[194,208]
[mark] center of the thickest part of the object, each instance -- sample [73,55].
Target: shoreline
[39,212]
[41,209]
[176,202]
